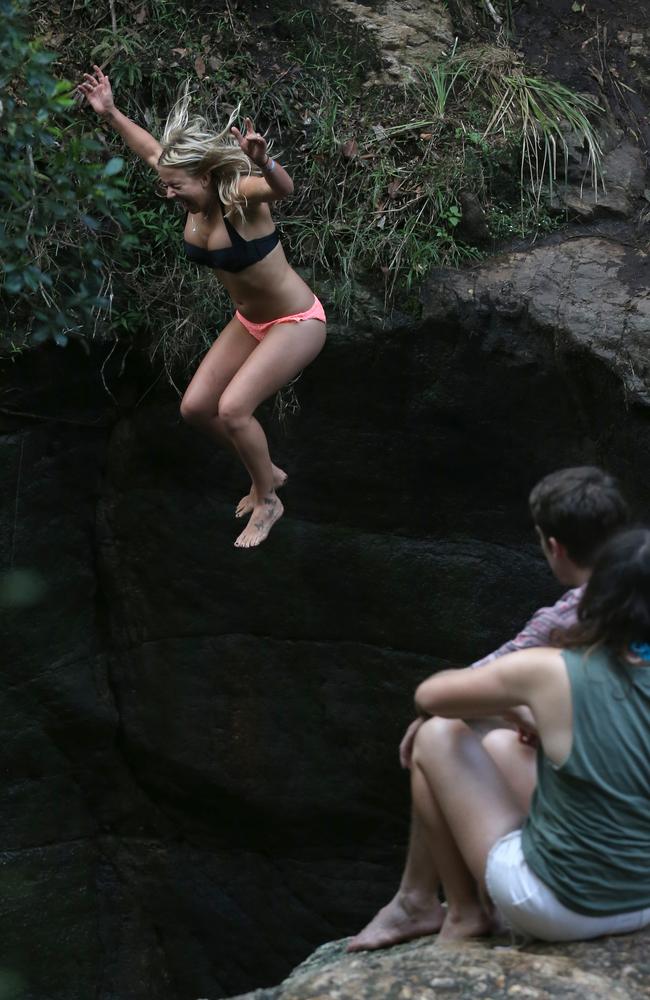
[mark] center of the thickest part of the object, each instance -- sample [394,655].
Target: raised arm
[275,183]
[96,88]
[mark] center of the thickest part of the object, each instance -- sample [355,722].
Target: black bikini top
[239,255]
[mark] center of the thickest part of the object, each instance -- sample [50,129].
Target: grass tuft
[379,172]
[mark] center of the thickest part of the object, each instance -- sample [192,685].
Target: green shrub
[62,200]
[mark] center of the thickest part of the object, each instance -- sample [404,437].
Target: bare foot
[401,920]
[467,923]
[247,503]
[261,521]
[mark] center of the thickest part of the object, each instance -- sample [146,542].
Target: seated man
[574,511]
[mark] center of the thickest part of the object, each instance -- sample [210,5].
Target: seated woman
[225,183]
[577,866]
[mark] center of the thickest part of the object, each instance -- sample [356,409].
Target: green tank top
[588,833]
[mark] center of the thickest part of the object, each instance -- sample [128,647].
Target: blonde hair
[189,144]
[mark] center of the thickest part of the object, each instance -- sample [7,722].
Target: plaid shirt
[538,630]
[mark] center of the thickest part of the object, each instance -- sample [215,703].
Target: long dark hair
[615,607]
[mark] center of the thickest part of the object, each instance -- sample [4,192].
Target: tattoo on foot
[261,522]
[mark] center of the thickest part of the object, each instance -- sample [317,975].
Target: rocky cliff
[607,969]
[201,780]
[201,744]
[615,968]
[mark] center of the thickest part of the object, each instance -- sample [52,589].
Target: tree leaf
[199,66]
[113,166]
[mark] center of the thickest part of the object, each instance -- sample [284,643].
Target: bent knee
[233,414]
[436,734]
[197,411]
[500,741]
[507,751]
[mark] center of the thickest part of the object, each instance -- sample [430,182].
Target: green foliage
[438,83]
[542,112]
[379,171]
[62,200]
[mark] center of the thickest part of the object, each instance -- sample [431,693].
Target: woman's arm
[515,679]
[97,90]
[468,693]
[275,183]
[536,677]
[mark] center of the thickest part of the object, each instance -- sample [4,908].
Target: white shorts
[529,907]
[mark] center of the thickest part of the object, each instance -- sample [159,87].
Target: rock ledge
[615,968]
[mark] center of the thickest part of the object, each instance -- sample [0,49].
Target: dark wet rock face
[616,195]
[199,754]
[200,743]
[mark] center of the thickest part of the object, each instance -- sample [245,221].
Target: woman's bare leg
[461,806]
[475,806]
[285,350]
[200,403]
[247,503]
[517,762]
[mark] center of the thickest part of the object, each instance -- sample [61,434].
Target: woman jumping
[225,181]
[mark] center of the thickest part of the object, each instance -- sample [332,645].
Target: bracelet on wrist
[269,165]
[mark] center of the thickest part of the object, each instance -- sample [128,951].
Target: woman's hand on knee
[406,745]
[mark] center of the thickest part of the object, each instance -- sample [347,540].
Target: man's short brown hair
[580,507]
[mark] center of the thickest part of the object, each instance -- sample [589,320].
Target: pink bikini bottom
[259,330]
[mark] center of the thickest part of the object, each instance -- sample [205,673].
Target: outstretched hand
[252,143]
[96,88]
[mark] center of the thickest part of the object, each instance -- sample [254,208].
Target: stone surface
[623,179]
[590,49]
[409,34]
[201,743]
[637,43]
[588,294]
[607,969]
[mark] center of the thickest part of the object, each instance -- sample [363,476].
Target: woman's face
[193,193]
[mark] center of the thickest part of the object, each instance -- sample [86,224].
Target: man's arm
[536,632]
[539,628]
